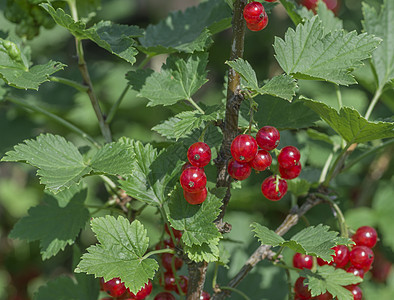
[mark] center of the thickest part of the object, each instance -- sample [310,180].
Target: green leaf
[115,38]
[381,25]
[327,278]
[178,80]
[187,31]
[319,136]
[59,162]
[298,187]
[153,175]
[208,252]
[65,288]
[291,11]
[329,21]
[244,69]
[196,221]
[120,252]
[56,223]
[308,53]
[349,124]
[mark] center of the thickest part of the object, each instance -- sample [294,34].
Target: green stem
[284,266]
[144,62]
[201,138]
[338,162]
[215,276]
[242,294]
[160,251]
[168,225]
[100,208]
[274,258]
[339,96]
[325,168]
[371,106]
[195,105]
[80,87]
[115,107]
[55,118]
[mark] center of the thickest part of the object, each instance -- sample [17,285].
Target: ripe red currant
[274,188]
[312,4]
[261,161]
[166,259]
[325,296]
[183,282]
[356,291]
[288,156]
[164,296]
[199,154]
[253,12]
[177,233]
[114,287]
[268,138]
[244,148]
[301,261]
[260,25]
[197,197]
[301,289]
[270,0]
[355,271]
[341,256]
[321,262]
[193,179]
[239,171]
[361,257]
[365,236]
[142,293]
[205,296]
[169,281]
[291,172]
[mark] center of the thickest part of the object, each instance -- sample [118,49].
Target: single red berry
[312,4]
[193,179]
[268,138]
[321,262]
[166,259]
[361,257]
[261,161]
[196,198]
[288,156]
[205,296]
[199,154]
[169,281]
[291,172]
[270,0]
[356,271]
[244,148]
[142,293]
[356,291]
[341,256]
[177,233]
[365,236]
[239,171]
[253,12]
[114,287]
[183,282]
[274,188]
[164,296]
[325,296]
[260,25]
[301,289]
[301,261]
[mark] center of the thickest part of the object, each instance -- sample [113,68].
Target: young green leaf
[309,53]
[119,253]
[298,187]
[178,80]
[208,252]
[329,21]
[64,215]
[350,124]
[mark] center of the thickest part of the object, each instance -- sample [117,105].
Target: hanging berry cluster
[255,16]
[357,260]
[246,155]
[117,290]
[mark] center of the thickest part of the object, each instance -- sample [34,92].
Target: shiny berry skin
[142,293]
[205,296]
[274,188]
[237,170]
[244,148]
[193,179]
[288,156]
[365,236]
[195,198]
[291,172]
[331,4]
[301,261]
[268,138]
[169,281]
[302,290]
[164,296]
[361,257]
[321,262]
[253,12]
[183,283]
[355,271]
[325,296]
[199,154]
[177,233]
[356,291]
[114,287]
[341,257]
[261,161]
[166,260]
[260,25]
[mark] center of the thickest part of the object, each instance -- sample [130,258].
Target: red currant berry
[274,188]
[261,161]
[355,271]
[239,171]
[169,281]
[260,25]
[205,296]
[341,256]
[199,154]
[301,289]
[301,261]
[142,293]
[365,236]
[356,291]
[270,0]
[288,156]
[268,138]
[321,262]
[253,12]
[325,296]
[193,179]
[290,173]
[177,233]
[164,296]
[312,4]
[244,148]
[196,198]
[166,260]
[114,287]
[361,257]
[183,282]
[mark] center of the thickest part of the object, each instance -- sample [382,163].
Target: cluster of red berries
[312,4]
[255,16]
[246,155]
[116,289]
[357,260]
[193,179]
